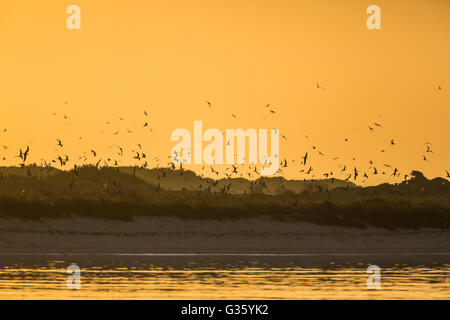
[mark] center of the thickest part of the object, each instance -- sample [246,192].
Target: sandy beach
[171,235]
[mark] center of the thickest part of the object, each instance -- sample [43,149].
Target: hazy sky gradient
[169,57]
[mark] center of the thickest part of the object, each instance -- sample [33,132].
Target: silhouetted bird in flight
[59,143]
[318,86]
[395,172]
[305,158]
[23,155]
[212,170]
[355,172]
[61,161]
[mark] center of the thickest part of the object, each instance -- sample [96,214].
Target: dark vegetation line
[37,193]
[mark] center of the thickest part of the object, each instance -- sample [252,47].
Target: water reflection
[189,278]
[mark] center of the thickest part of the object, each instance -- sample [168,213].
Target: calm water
[222,277]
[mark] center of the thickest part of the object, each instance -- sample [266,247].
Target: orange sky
[169,57]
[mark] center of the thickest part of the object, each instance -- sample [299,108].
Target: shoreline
[163,238]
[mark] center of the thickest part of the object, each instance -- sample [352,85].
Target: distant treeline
[36,193]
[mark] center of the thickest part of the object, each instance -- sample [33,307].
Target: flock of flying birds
[143,160]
